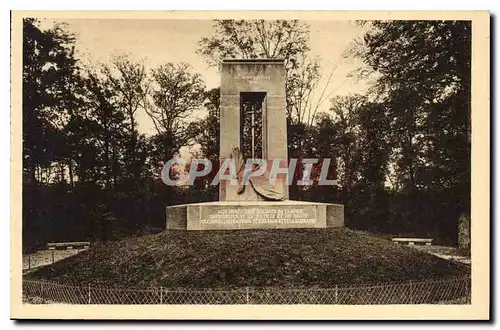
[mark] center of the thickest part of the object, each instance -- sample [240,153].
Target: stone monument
[253,126]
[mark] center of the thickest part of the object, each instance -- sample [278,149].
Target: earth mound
[285,258]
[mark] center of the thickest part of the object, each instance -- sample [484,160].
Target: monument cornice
[253,61]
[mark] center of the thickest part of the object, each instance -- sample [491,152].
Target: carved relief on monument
[258,187]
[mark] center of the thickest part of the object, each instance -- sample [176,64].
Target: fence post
[336,294]
[29,261]
[41,289]
[248,295]
[161,295]
[52,256]
[89,300]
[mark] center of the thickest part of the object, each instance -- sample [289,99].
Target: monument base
[254,215]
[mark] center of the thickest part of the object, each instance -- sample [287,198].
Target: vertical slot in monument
[251,124]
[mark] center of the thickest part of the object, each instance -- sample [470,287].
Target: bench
[412,241]
[68,245]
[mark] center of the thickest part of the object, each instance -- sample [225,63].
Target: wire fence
[421,292]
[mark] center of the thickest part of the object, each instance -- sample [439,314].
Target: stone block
[176,217]
[254,215]
[334,215]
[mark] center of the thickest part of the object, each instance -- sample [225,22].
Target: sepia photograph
[186,160]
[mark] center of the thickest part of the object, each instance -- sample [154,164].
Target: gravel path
[46,257]
[445,252]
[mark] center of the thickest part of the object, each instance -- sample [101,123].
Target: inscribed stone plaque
[258,217]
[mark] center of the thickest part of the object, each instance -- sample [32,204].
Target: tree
[101,128]
[206,133]
[129,80]
[423,82]
[255,39]
[343,121]
[87,172]
[283,39]
[49,80]
[176,93]
[300,84]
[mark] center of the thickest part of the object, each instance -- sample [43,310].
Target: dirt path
[46,257]
[445,252]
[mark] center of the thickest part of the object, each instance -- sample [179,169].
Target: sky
[158,41]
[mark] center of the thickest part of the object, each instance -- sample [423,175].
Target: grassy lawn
[297,258]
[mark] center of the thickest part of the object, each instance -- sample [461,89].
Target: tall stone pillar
[239,79]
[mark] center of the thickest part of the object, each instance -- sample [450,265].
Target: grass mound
[261,258]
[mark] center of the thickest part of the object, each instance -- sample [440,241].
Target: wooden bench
[68,245]
[412,241]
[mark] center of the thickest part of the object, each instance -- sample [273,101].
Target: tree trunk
[71,179]
[114,171]
[133,145]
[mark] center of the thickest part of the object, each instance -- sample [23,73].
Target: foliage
[255,39]
[176,94]
[409,147]
[205,134]
[129,81]
[50,77]
[88,172]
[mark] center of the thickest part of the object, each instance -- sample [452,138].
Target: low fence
[422,292]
